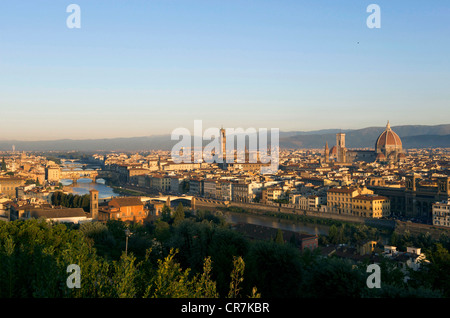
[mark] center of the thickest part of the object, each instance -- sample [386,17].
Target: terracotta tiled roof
[369,197]
[126,201]
[388,138]
[342,190]
[57,213]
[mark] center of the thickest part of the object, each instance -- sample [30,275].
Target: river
[308,228]
[84,185]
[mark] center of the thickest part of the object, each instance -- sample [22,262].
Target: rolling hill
[412,136]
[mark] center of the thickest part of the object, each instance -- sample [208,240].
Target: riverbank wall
[400,227]
[416,229]
[259,208]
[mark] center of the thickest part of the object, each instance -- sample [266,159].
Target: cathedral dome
[388,139]
[333,150]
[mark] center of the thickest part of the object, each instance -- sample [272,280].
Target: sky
[140,68]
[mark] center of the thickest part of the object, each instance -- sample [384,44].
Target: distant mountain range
[412,136]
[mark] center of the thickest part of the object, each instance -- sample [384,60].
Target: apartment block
[441,213]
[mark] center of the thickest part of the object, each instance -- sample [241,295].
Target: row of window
[125,214]
[8,188]
[442,207]
[444,223]
[440,213]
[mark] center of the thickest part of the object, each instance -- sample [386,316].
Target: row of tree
[352,234]
[275,268]
[187,255]
[35,256]
[70,200]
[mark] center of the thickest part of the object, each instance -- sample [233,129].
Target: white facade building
[441,213]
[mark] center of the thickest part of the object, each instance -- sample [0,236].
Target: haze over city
[144,68]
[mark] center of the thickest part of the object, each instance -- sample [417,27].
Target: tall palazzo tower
[340,144]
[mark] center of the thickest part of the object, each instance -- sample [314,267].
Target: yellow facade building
[8,185]
[339,200]
[357,202]
[371,206]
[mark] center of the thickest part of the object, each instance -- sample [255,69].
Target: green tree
[100,236]
[192,240]
[237,277]
[166,214]
[335,278]
[7,262]
[70,199]
[170,280]
[179,216]
[124,277]
[55,199]
[40,252]
[216,218]
[279,238]
[204,286]
[225,244]
[85,203]
[274,269]
[437,273]
[336,235]
[162,230]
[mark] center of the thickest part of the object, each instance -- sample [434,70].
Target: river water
[83,186]
[289,225]
[308,228]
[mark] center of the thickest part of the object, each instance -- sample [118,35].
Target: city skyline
[269,150]
[149,67]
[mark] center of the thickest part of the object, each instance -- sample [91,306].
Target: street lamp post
[127,235]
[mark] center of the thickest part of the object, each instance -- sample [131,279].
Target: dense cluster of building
[386,182]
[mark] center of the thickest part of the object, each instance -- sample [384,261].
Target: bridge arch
[173,201]
[75,175]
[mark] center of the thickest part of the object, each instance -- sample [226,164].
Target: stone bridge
[168,199]
[74,175]
[71,160]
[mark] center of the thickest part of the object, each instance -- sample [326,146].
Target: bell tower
[94,204]
[223,142]
[327,152]
[340,145]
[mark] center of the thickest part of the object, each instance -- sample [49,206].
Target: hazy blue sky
[138,68]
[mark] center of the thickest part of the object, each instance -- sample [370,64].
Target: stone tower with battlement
[340,144]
